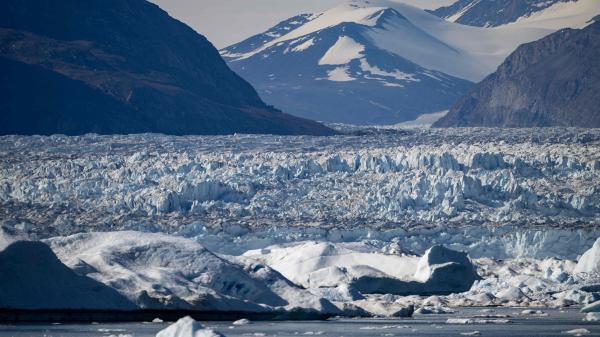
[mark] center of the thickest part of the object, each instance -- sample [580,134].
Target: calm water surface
[556,323]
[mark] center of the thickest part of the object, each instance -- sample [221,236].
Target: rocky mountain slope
[482,13]
[551,82]
[121,67]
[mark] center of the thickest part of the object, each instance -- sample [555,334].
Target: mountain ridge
[551,82]
[399,62]
[335,73]
[139,62]
[492,13]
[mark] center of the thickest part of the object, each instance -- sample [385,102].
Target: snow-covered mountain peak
[356,12]
[375,61]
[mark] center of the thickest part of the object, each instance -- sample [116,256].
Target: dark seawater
[556,323]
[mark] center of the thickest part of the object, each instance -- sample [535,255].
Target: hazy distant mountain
[551,82]
[121,66]
[493,13]
[376,61]
[334,72]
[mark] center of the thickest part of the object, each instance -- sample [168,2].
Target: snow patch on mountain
[376,71]
[340,74]
[304,45]
[569,14]
[549,14]
[454,17]
[342,52]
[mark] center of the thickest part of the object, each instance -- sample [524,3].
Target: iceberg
[159,271]
[187,327]
[33,278]
[590,260]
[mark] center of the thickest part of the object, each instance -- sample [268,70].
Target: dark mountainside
[551,82]
[121,66]
[488,13]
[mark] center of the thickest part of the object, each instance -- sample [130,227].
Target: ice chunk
[456,266]
[341,293]
[433,310]
[592,317]
[439,271]
[594,307]
[187,327]
[590,260]
[159,271]
[578,332]
[512,294]
[32,277]
[243,321]
[385,308]
[459,321]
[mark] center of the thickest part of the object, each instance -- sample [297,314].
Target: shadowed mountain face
[485,13]
[121,66]
[551,82]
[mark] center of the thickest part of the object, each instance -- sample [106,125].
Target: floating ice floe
[187,327]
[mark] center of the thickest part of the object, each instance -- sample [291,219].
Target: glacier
[297,224]
[530,192]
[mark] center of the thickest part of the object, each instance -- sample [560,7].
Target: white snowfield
[462,51]
[573,14]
